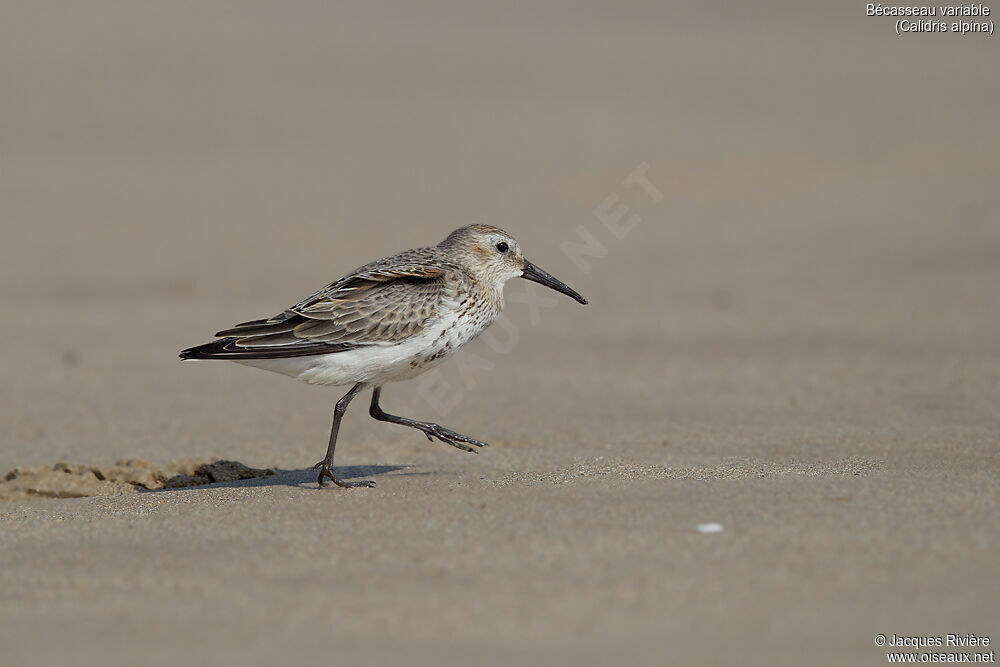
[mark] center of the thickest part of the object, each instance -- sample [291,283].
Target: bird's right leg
[325,466]
[431,430]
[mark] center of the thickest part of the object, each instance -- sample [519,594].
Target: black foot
[325,472]
[449,437]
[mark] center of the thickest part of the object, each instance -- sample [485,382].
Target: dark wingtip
[206,351]
[225,348]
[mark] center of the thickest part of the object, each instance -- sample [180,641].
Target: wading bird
[389,320]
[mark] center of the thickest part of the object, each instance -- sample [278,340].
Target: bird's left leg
[326,465]
[429,429]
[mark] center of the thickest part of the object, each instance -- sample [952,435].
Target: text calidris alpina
[387,321]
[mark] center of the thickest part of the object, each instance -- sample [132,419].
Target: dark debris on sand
[72,480]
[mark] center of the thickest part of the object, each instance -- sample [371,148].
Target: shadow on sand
[306,477]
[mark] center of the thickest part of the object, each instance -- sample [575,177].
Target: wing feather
[379,304]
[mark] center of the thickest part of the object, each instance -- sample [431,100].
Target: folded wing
[380,304]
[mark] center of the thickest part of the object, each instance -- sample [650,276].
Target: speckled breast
[461,319]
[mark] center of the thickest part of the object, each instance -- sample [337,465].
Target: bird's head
[492,255]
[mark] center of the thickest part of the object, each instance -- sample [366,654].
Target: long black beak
[535,274]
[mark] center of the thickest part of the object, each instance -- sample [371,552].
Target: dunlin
[387,321]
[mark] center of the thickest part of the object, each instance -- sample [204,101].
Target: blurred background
[817,284]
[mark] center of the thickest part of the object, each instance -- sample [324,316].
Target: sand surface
[797,340]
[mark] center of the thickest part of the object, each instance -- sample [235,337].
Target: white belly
[377,364]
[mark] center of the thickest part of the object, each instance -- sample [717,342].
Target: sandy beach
[772,435]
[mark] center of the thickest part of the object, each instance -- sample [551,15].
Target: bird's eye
[502,246]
